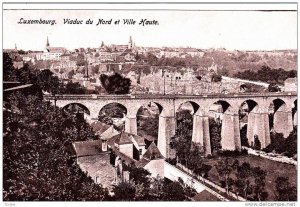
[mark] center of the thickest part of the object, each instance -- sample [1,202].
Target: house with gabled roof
[153,161]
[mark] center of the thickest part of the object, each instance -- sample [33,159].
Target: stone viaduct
[258,111]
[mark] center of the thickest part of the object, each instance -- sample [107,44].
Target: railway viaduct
[258,111]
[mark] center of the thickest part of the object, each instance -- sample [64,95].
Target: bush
[257,144]
[172,161]
[244,139]
[230,153]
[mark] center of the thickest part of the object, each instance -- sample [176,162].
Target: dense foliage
[115,84]
[281,145]
[243,179]
[158,189]
[110,111]
[266,74]
[284,190]
[38,160]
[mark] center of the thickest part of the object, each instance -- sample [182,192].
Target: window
[140,150]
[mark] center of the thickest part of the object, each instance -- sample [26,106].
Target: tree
[182,141]
[224,168]
[149,125]
[243,184]
[38,136]
[273,88]
[47,81]
[115,84]
[259,184]
[215,134]
[291,143]
[173,192]
[110,111]
[216,78]
[9,72]
[74,88]
[257,144]
[138,175]
[124,191]
[244,139]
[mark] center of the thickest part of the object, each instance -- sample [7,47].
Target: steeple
[130,43]
[102,44]
[16,47]
[47,44]
[86,70]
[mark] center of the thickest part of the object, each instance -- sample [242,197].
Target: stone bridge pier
[131,120]
[201,131]
[230,132]
[258,124]
[166,130]
[283,120]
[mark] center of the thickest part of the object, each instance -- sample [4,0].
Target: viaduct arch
[258,114]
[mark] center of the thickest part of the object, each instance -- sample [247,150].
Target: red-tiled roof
[153,153]
[123,138]
[88,148]
[109,133]
[99,127]
[124,157]
[142,162]
[140,140]
[56,49]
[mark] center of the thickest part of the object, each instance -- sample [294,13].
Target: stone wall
[176,83]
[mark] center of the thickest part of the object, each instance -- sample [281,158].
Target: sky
[241,30]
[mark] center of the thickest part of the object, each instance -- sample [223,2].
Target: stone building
[95,160]
[290,84]
[153,161]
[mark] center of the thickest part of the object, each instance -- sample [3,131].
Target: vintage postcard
[150,102]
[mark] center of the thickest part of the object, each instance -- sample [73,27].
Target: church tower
[86,78]
[130,43]
[86,70]
[47,44]
[16,47]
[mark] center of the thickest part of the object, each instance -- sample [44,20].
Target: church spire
[47,44]
[16,47]
[130,43]
[86,72]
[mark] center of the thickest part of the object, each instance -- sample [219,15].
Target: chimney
[104,145]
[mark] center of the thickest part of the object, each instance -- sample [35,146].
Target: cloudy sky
[243,30]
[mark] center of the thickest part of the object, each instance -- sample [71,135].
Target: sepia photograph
[149,102]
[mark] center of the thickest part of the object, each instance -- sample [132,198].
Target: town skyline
[15,46]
